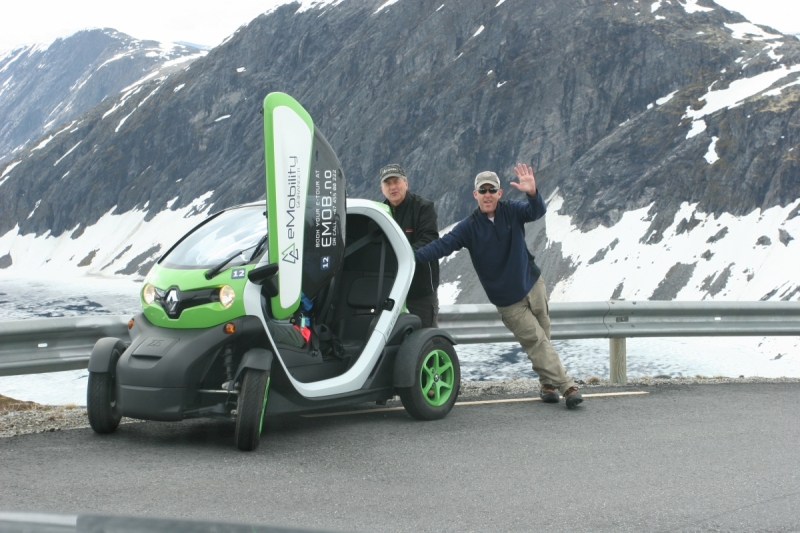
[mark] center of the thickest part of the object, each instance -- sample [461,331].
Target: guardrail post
[618,363]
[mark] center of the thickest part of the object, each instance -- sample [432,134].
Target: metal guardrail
[53,344]
[40,345]
[469,324]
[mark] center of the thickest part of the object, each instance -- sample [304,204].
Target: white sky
[208,22]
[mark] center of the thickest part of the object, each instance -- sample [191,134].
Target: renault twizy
[336,269]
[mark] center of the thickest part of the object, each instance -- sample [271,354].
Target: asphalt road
[680,458]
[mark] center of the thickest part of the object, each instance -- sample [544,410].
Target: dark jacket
[498,251]
[416,216]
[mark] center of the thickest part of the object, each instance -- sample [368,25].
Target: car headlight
[148,294]
[226,296]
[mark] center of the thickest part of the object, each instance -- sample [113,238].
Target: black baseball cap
[391,171]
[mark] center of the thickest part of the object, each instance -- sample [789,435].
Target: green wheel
[437,378]
[250,410]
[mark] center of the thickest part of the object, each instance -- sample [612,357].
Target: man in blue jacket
[494,234]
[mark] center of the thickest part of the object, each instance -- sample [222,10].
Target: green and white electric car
[204,344]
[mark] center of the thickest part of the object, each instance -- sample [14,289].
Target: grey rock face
[784,236]
[715,283]
[43,88]
[675,279]
[577,89]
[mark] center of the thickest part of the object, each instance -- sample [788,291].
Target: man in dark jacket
[494,234]
[416,216]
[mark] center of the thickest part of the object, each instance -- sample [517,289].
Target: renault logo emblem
[172,302]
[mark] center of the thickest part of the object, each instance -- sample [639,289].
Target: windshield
[233,231]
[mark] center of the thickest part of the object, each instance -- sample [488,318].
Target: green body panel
[271,102]
[384,207]
[201,316]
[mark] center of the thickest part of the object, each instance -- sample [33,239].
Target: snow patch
[34,208]
[140,81]
[690,6]
[68,152]
[241,69]
[748,30]
[738,91]
[480,30]
[665,99]
[51,137]
[383,6]
[183,59]
[179,87]
[448,292]
[711,155]
[117,57]
[698,127]
[7,172]
[776,92]
[223,117]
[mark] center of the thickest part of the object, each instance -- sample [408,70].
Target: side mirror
[262,274]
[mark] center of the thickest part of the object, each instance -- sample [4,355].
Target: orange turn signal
[130,324]
[229,328]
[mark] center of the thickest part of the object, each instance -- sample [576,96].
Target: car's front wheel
[437,377]
[101,402]
[251,406]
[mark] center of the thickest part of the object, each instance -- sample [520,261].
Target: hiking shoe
[573,397]
[549,394]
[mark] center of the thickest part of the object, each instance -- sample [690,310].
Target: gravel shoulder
[21,418]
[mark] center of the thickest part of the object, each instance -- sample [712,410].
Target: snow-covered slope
[701,257]
[119,244]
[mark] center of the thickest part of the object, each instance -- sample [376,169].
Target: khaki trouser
[529,321]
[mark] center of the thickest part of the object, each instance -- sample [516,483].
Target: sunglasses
[492,190]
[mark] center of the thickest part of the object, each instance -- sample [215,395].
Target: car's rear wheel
[250,411]
[437,379]
[101,402]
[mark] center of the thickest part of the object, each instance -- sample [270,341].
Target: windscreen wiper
[217,269]
[258,246]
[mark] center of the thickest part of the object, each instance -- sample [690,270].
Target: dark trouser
[426,308]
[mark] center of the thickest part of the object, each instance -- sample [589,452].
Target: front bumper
[161,373]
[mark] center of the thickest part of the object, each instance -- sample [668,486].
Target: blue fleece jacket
[498,251]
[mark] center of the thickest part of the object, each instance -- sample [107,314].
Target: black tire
[432,399]
[101,405]
[250,411]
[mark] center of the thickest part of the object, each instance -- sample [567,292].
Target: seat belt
[360,243]
[379,305]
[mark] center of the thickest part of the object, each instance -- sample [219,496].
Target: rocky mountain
[663,133]
[44,87]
